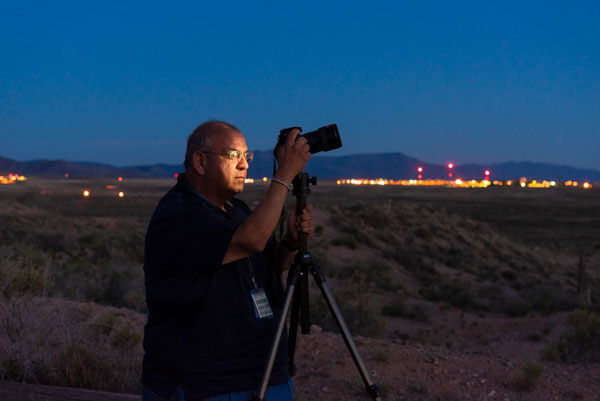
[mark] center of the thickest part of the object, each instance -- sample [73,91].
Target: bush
[581,343]
[396,307]
[376,273]
[528,377]
[356,310]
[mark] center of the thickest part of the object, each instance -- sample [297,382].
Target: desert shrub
[528,377]
[357,312]
[345,241]
[419,311]
[517,307]
[546,299]
[396,307]
[376,272]
[458,293]
[66,343]
[23,270]
[581,342]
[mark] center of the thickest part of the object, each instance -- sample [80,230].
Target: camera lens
[324,139]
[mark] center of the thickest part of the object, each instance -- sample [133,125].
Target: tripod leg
[293,332]
[289,293]
[370,386]
[304,311]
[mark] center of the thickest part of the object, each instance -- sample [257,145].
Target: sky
[126,82]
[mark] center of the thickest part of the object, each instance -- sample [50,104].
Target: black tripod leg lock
[374,391]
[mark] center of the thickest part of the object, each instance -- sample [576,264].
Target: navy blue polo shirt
[202,332]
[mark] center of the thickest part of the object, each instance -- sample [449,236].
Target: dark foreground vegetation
[71,279]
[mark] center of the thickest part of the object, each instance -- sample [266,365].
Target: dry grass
[66,343]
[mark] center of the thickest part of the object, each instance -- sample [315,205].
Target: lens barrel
[324,139]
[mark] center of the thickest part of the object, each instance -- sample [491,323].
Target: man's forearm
[253,234]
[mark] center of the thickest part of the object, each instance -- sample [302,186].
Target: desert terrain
[450,293]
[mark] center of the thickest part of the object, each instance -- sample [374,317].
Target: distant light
[553,183]
[265,179]
[458,181]
[420,176]
[586,185]
[523,184]
[575,183]
[121,194]
[86,193]
[338,182]
[449,174]
[487,172]
[420,169]
[110,187]
[120,179]
[175,175]
[509,182]
[66,175]
[450,165]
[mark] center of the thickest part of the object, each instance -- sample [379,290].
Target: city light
[420,169]
[121,194]
[120,179]
[249,180]
[264,179]
[12,178]
[86,193]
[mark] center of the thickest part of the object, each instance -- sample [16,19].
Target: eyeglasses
[235,155]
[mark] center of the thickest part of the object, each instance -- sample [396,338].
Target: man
[213,273]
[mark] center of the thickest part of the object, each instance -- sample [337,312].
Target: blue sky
[126,82]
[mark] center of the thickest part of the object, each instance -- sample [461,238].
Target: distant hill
[377,165]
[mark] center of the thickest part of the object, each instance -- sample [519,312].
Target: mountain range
[377,165]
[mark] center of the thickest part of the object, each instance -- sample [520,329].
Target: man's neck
[197,184]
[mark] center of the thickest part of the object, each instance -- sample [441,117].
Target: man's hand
[292,156]
[305,223]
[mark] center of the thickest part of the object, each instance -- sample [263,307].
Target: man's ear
[198,162]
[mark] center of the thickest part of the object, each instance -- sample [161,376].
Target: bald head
[202,139]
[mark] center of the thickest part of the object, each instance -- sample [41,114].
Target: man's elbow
[254,244]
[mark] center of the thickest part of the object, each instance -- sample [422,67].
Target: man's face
[226,176]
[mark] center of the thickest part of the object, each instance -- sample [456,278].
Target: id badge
[262,309]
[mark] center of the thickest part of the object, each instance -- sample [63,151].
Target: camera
[323,139]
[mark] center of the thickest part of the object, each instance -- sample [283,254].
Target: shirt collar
[184,185]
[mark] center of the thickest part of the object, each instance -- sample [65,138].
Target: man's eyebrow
[241,151]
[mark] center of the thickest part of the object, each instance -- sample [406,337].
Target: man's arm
[252,236]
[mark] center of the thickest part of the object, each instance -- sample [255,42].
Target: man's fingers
[291,138]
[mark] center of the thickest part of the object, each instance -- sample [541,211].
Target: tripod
[298,277]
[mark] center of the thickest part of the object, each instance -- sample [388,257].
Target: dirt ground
[418,372]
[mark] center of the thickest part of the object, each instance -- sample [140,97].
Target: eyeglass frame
[249,156]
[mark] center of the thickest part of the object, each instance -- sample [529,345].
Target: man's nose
[242,164]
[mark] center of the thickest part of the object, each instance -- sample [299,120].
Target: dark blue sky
[126,82]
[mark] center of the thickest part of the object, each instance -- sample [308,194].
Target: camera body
[323,139]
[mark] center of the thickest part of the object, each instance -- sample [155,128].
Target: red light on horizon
[176,175]
[420,169]
[450,165]
[120,179]
[487,172]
